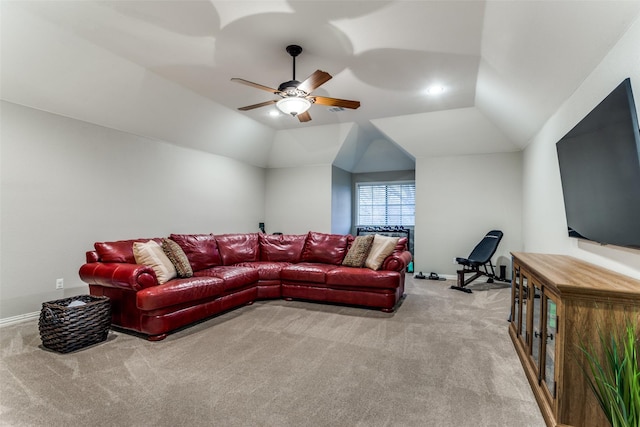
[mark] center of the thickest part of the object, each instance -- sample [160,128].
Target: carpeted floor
[443,359]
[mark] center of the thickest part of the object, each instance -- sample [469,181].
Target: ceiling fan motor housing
[290,88]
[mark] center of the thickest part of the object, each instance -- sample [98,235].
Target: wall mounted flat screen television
[600,172]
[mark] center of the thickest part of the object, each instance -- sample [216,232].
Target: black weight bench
[478,263]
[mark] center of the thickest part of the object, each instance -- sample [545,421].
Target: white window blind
[386,203]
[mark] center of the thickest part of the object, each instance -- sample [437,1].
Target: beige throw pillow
[151,254]
[381,248]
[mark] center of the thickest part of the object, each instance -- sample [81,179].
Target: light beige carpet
[443,359]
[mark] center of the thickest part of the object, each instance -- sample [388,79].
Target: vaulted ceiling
[162,69]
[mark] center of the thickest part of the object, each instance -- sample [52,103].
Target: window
[386,203]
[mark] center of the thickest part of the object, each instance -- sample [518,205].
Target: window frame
[387,184]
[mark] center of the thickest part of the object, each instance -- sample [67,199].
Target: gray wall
[341,197]
[544,222]
[67,184]
[298,199]
[459,199]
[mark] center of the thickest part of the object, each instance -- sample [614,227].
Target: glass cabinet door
[515,298]
[524,298]
[537,326]
[550,346]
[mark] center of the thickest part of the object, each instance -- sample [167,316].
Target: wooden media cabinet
[557,303]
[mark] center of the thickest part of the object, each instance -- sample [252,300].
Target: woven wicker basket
[65,329]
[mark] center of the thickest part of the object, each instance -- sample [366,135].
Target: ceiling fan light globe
[293,105]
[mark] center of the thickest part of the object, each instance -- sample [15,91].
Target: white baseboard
[18,319]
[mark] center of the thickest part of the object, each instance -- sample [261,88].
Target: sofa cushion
[358,252]
[325,248]
[267,270]
[118,251]
[382,247]
[151,254]
[306,272]
[345,277]
[179,291]
[281,247]
[178,258]
[235,248]
[201,249]
[234,277]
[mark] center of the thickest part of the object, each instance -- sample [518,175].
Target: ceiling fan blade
[262,104]
[314,81]
[304,117]
[334,102]
[256,85]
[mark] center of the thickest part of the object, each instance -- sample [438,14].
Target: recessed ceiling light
[434,90]
[274,113]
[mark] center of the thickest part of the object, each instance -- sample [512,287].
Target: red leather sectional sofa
[232,270]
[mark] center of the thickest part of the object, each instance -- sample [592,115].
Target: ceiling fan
[295,96]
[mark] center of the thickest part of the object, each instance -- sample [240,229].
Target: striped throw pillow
[359,251]
[177,257]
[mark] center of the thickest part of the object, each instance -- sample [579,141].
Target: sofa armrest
[118,275]
[92,256]
[397,261]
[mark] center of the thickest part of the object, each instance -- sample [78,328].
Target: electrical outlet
[59,283]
